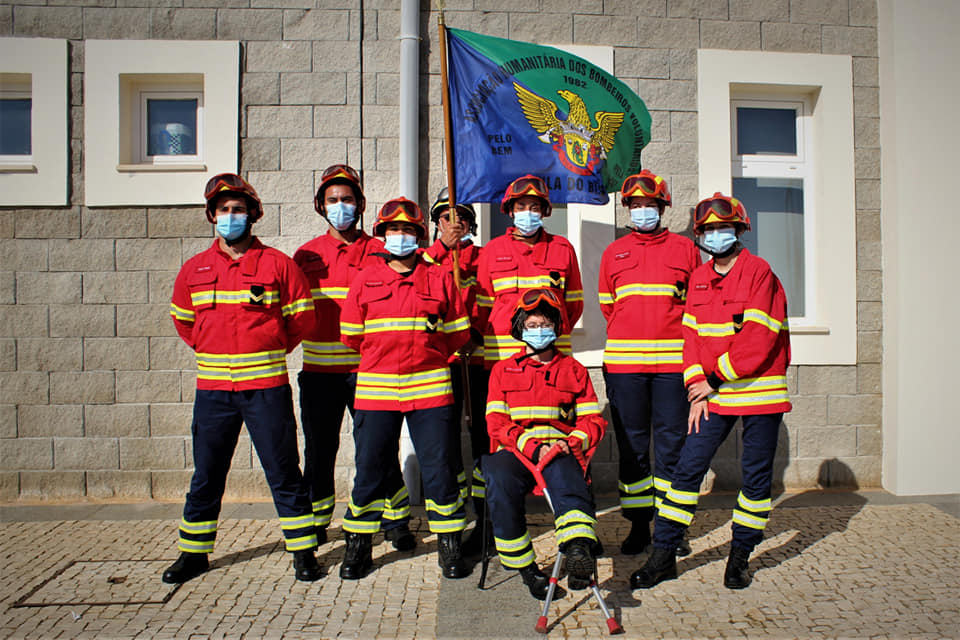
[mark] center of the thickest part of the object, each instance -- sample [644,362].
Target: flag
[519,108]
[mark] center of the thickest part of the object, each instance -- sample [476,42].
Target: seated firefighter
[539,399]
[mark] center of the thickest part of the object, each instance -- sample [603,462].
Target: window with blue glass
[170,126]
[770,175]
[16,107]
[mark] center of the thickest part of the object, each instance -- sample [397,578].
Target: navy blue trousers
[478,380]
[509,482]
[644,405]
[376,436]
[217,418]
[323,398]
[753,503]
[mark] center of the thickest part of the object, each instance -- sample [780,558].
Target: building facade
[101,203]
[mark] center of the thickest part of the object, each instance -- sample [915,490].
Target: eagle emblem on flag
[579,145]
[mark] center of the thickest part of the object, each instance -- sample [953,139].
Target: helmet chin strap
[535,352]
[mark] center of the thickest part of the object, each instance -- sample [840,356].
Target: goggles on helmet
[526,186]
[341,171]
[232,183]
[400,210]
[531,299]
[645,184]
[720,208]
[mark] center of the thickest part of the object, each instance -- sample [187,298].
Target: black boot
[683,549]
[401,538]
[188,566]
[305,566]
[661,565]
[637,540]
[450,557]
[737,576]
[580,563]
[358,559]
[538,582]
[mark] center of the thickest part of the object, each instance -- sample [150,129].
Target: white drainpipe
[409,175]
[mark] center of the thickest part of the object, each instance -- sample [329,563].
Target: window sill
[133,168]
[809,331]
[17,168]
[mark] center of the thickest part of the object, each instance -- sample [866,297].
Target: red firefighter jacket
[507,267]
[439,254]
[643,286]
[330,266]
[405,328]
[735,332]
[532,403]
[241,317]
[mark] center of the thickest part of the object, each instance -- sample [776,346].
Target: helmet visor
[340,171]
[227,182]
[401,210]
[528,186]
[639,185]
[718,209]
[532,298]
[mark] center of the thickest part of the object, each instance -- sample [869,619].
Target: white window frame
[142,145]
[827,334]
[40,178]
[798,166]
[117,171]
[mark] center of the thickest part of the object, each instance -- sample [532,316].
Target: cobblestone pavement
[855,567]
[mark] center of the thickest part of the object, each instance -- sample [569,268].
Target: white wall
[919,94]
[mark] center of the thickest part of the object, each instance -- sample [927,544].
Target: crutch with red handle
[541,488]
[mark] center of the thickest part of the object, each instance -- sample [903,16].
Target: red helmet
[719,208]
[646,183]
[232,183]
[527,185]
[400,210]
[542,300]
[340,174]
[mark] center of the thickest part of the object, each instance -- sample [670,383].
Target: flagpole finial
[441,5]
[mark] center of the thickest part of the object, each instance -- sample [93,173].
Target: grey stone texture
[97,388]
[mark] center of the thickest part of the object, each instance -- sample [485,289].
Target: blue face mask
[718,241]
[645,218]
[527,222]
[540,337]
[400,244]
[341,214]
[231,226]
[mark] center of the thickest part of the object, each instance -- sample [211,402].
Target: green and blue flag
[519,108]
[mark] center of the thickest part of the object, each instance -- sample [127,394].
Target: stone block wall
[95,387]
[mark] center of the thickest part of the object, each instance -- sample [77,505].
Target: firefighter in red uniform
[736,351]
[540,398]
[406,319]
[329,376]
[469,360]
[525,257]
[643,286]
[242,307]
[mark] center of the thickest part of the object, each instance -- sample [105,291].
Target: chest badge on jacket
[256,294]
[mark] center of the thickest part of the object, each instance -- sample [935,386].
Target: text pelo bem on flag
[519,108]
